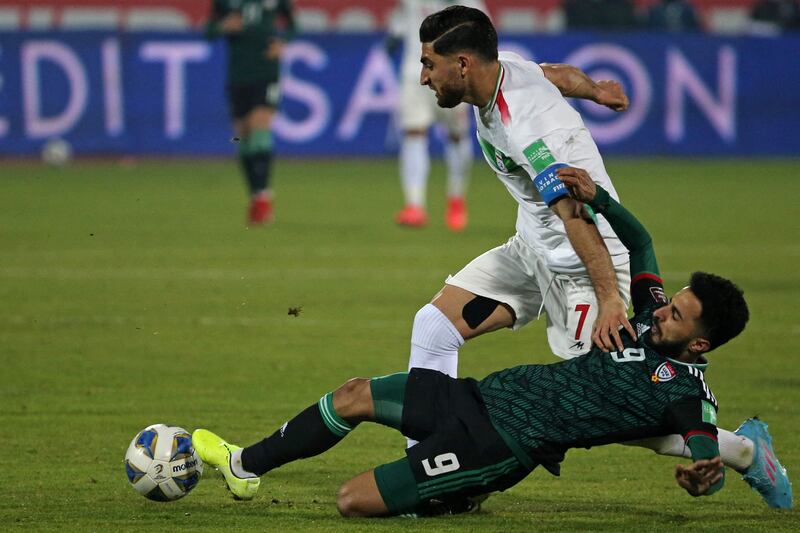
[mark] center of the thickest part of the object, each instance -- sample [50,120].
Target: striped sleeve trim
[646,275]
[696,372]
[698,433]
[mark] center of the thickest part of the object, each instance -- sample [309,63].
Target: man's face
[677,324]
[443,75]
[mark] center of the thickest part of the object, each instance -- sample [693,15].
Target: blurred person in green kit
[256,31]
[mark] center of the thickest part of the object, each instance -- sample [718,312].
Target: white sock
[736,451]
[236,466]
[415,164]
[458,156]
[434,344]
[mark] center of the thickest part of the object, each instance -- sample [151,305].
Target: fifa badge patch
[664,372]
[709,413]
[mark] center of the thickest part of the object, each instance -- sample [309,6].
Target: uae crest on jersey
[664,372]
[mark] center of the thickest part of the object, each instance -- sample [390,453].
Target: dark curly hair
[459,28]
[725,312]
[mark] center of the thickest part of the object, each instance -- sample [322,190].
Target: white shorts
[516,275]
[419,110]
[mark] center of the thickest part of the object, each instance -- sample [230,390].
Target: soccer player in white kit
[417,113]
[560,261]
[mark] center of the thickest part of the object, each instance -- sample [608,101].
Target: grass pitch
[133,294]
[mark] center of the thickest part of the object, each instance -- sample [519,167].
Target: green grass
[134,294]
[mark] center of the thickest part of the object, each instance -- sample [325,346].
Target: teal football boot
[766,475]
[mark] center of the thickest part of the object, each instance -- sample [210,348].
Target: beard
[448,96]
[671,349]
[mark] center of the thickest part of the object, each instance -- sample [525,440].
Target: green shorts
[459,452]
[244,98]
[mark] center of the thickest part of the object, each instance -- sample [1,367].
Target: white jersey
[526,126]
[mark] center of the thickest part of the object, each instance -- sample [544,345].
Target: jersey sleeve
[647,288]
[695,420]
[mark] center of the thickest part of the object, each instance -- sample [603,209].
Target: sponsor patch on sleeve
[709,413]
[539,156]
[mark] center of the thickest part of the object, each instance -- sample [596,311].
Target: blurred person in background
[255,31]
[772,17]
[600,14]
[673,16]
[417,112]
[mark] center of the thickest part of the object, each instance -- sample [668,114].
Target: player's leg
[313,431]
[495,290]
[360,497]
[414,169]
[442,326]
[241,134]
[458,157]
[460,456]
[240,101]
[257,153]
[416,117]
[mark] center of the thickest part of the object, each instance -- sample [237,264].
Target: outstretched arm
[695,419]
[574,83]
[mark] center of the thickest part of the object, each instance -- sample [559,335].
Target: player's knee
[421,319]
[353,400]
[348,502]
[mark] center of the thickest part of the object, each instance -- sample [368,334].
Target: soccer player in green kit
[476,437]
[255,31]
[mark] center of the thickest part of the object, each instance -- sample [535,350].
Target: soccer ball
[56,152]
[161,463]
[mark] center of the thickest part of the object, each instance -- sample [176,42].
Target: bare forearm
[591,249]
[571,81]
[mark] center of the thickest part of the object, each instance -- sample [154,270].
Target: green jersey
[543,410]
[599,398]
[262,22]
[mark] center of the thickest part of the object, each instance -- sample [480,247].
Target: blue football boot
[766,474]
